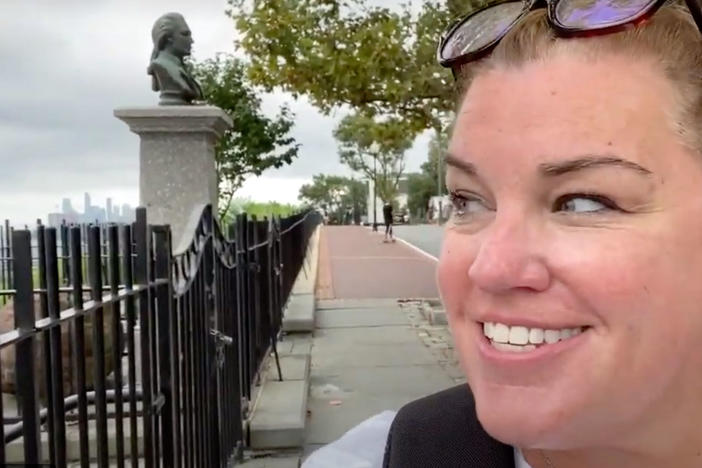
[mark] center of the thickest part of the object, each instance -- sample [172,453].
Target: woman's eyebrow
[560,167]
[587,162]
[464,166]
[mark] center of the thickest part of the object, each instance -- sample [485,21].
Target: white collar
[519,461]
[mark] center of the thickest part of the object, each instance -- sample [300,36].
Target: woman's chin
[520,423]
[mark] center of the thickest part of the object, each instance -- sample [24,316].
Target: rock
[7,354]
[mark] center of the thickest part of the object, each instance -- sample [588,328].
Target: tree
[255,142]
[335,194]
[375,149]
[421,188]
[433,167]
[348,53]
[424,185]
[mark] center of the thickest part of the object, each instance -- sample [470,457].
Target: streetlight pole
[375,196]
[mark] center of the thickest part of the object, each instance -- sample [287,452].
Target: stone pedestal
[176,163]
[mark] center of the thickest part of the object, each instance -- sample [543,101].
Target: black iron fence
[62,249]
[153,358]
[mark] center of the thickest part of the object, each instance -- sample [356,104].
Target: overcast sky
[65,65]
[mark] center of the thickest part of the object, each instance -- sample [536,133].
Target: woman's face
[577,212]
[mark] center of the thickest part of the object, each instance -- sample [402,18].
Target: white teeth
[487,329]
[519,335]
[520,338]
[512,348]
[500,333]
[536,336]
[552,336]
[504,346]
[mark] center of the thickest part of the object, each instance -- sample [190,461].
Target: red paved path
[354,263]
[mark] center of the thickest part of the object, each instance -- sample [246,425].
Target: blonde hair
[670,38]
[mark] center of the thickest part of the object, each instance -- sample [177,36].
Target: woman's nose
[509,258]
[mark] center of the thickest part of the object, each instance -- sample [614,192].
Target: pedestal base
[176,163]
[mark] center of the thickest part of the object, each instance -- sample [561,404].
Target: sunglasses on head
[475,35]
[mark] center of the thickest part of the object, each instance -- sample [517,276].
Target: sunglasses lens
[481,29]
[595,14]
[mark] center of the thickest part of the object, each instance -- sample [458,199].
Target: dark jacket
[442,431]
[387,213]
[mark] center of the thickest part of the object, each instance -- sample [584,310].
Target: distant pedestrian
[387,214]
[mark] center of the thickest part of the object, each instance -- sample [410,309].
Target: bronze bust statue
[172,42]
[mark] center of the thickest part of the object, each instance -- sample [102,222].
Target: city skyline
[109,213]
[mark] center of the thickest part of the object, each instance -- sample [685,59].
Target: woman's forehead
[564,106]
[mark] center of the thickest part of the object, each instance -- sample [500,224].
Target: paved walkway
[371,352]
[428,237]
[354,263]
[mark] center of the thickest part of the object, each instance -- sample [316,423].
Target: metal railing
[159,345]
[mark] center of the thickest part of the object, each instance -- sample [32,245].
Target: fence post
[257,330]
[43,312]
[95,272]
[141,277]
[54,379]
[24,321]
[78,350]
[9,269]
[272,281]
[280,263]
[65,270]
[117,339]
[128,270]
[242,267]
[164,307]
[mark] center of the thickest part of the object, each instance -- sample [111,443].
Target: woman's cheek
[452,271]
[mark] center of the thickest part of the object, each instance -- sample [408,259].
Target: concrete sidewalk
[373,345]
[369,356]
[372,348]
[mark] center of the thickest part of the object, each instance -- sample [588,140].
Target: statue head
[171,33]
[169,74]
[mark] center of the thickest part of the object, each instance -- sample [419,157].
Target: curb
[434,312]
[279,415]
[299,311]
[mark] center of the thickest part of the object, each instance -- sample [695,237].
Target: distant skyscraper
[128,214]
[92,214]
[67,207]
[110,215]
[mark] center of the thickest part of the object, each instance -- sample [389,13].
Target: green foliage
[348,53]
[424,185]
[258,209]
[375,149]
[438,145]
[380,63]
[335,194]
[255,142]
[421,188]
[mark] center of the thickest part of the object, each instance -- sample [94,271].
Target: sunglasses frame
[562,30]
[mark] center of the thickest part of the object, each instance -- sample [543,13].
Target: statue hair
[164,28]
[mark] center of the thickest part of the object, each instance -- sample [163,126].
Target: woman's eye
[464,205]
[580,203]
